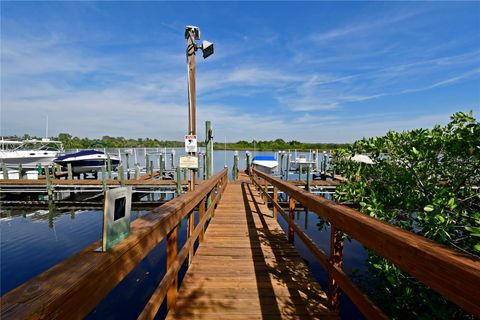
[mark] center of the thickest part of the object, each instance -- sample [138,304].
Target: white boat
[266,164]
[29,153]
[301,160]
[87,161]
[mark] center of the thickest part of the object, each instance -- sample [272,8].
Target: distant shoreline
[71,142]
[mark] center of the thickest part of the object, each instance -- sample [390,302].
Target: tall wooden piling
[179,182]
[287,167]
[127,165]
[49,182]
[121,177]
[300,169]
[307,184]
[69,171]
[235,167]
[5,171]
[147,163]
[324,160]
[209,148]
[204,164]
[160,166]
[281,164]
[104,179]
[137,171]
[109,166]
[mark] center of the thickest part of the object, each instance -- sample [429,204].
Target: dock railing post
[291,215]
[300,171]
[336,258]
[172,250]
[20,171]
[151,168]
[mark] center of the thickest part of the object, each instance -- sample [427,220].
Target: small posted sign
[191,143]
[189,162]
[116,216]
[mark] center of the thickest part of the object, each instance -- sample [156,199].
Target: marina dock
[246,266]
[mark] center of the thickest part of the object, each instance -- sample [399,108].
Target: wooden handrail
[454,275]
[72,288]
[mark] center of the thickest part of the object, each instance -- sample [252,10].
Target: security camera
[194,30]
[207,48]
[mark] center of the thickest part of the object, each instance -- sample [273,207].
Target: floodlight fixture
[207,49]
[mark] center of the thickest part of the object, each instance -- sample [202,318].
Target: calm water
[32,241]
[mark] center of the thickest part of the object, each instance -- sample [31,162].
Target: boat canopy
[264,158]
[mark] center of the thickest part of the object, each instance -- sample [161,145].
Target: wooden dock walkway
[246,269]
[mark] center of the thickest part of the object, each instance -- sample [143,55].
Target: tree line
[71,142]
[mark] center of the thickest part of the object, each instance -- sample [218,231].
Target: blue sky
[310,71]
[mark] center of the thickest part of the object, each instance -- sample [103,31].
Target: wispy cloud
[277,80]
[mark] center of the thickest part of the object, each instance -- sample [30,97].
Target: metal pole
[192,99]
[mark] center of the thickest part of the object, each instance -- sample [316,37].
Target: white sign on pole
[191,143]
[189,162]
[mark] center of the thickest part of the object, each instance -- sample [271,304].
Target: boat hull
[295,166]
[82,166]
[28,159]
[87,161]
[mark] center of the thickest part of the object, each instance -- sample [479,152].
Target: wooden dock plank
[246,269]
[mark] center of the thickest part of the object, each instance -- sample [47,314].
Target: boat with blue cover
[87,161]
[266,164]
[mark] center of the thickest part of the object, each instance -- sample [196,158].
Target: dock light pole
[192,33]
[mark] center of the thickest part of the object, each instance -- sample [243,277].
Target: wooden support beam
[275,199]
[336,259]
[172,249]
[291,215]
[454,275]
